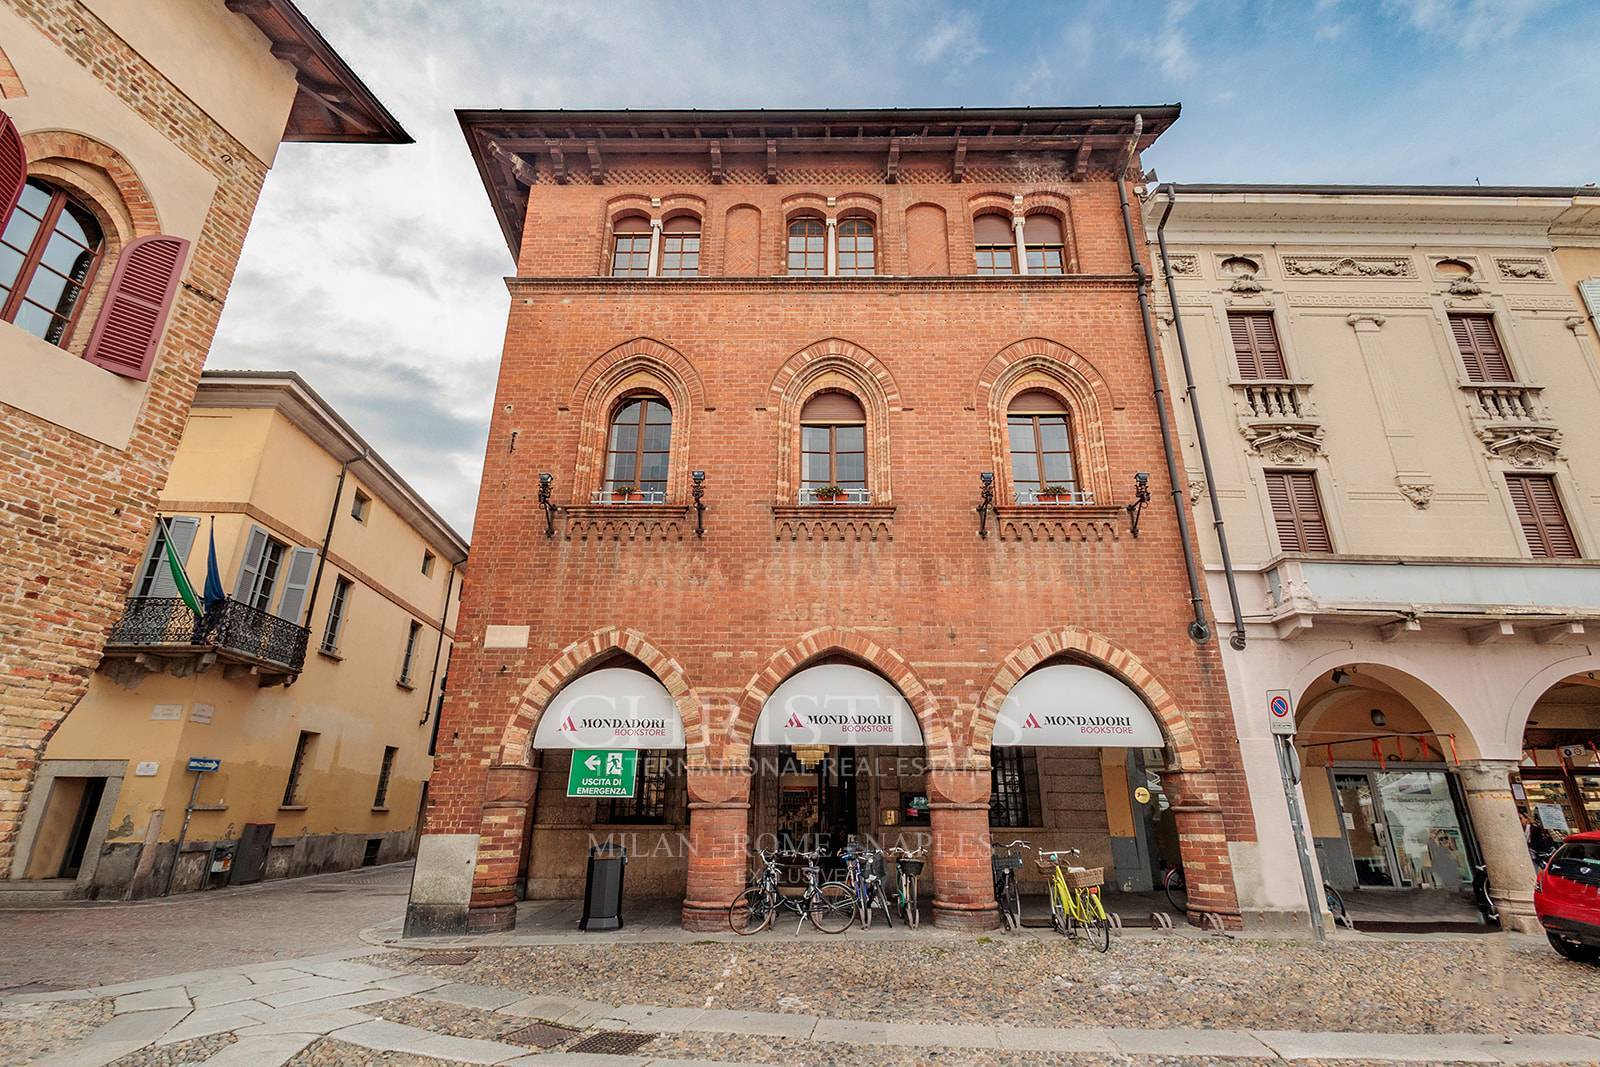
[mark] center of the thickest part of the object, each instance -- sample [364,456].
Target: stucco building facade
[134,139]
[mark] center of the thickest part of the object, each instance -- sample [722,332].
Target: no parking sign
[1280,713]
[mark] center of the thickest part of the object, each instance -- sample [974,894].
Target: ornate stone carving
[1289,445]
[1246,283]
[1465,287]
[1197,488]
[1519,268]
[1522,446]
[1184,265]
[1419,493]
[1350,266]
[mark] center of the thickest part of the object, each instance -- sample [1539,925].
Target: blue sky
[375,271]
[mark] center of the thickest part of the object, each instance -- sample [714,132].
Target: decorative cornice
[1350,266]
[832,522]
[625,522]
[1065,524]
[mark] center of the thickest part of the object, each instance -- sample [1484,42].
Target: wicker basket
[1087,878]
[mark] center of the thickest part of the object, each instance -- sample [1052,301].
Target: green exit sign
[602,772]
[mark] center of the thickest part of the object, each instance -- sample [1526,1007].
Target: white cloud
[954,39]
[1471,24]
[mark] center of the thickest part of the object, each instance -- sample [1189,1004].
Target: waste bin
[602,892]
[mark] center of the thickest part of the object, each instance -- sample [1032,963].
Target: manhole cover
[541,1035]
[443,959]
[613,1043]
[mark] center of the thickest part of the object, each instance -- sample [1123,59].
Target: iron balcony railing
[841,496]
[230,627]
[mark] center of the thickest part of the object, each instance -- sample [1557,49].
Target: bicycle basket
[1001,863]
[1084,879]
[911,868]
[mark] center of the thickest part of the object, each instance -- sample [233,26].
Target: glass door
[1424,829]
[1364,829]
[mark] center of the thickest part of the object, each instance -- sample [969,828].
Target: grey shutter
[250,569]
[182,530]
[1590,290]
[293,603]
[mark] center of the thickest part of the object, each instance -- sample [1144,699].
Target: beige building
[314,683]
[1401,395]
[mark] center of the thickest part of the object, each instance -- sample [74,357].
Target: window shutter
[1589,289]
[1255,346]
[1297,511]
[992,230]
[1544,521]
[142,290]
[182,530]
[293,603]
[13,167]
[1041,229]
[1481,353]
[250,569]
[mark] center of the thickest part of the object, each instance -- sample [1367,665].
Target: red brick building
[828,328]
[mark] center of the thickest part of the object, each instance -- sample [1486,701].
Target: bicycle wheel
[1072,914]
[1011,906]
[750,912]
[1098,924]
[1177,888]
[833,908]
[1058,912]
[912,916]
[882,901]
[1336,907]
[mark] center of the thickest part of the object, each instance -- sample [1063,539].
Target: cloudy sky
[376,272]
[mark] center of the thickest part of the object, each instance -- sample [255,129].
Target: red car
[1566,896]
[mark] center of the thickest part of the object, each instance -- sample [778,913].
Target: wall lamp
[699,492]
[545,481]
[1141,497]
[986,502]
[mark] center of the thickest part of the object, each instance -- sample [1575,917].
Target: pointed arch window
[680,247]
[50,249]
[808,251]
[639,447]
[1046,247]
[833,450]
[995,246]
[857,247]
[630,251]
[1042,466]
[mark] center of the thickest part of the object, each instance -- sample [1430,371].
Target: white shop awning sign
[1072,706]
[837,704]
[611,708]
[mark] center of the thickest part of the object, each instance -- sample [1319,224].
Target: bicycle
[1005,865]
[1177,890]
[829,905]
[864,875]
[1336,907]
[908,868]
[1075,899]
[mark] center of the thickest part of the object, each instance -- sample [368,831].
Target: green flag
[179,578]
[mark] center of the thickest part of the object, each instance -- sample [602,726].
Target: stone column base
[949,915]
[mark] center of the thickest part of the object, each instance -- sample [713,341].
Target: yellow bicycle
[1075,898]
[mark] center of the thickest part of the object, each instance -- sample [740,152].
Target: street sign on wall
[1280,712]
[602,772]
[204,764]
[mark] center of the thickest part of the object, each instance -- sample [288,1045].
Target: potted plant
[831,494]
[1053,494]
[621,494]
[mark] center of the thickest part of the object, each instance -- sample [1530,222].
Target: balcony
[161,633]
[836,496]
[1072,498]
[1278,418]
[1512,422]
[631,498]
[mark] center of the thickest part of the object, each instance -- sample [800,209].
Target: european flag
[214,593]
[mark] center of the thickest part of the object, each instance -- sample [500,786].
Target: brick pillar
[1498,829]
[507,810]
[958,816]
[1203,845]
[719,815]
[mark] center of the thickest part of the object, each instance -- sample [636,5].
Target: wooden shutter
[250,569]
[1481,353]
[182,529]
[13,167]
[992,230]
[1297,511]
[1544,521]
[1255,346]
[296,583]
[141,294]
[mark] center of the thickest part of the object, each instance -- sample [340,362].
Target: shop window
[808,254]
[1255,346]
[1040,432]
[1046,247]
[996,247]
[297,766]
[1297,511]
[833,449]
[1481,355]
[50,250]
[639,447]
[1013,788]
[380,798]
[649,801]
[337,607]
[630,249]
[1539,511]
[680,247]
[857,247]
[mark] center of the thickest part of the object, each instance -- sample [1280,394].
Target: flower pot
[1048,498]
[621,498]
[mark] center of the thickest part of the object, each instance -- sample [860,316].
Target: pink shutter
[141,294]
[13,167]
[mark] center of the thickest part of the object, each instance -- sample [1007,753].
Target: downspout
[444,614]
[1199,629]
[327,539]
[1236,639]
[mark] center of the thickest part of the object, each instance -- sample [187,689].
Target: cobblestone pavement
[72,945]
[1176,999]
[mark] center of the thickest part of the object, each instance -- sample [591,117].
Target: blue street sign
[202,764]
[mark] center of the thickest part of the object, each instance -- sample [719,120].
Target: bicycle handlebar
[908,851]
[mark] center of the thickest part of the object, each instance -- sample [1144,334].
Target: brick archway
[936,736]
[518,735]
[43,145]
[834,364]
[1116,660]
[641,363]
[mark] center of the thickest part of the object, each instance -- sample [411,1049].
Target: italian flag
[179,577]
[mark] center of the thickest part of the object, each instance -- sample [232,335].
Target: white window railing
[1073,498]
[847,496]
[638,496]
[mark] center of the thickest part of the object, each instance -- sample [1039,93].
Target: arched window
[680,247]
[996,247]
[640,444]
[48,256]
[1047,250]
[833,448]
[808,254]
[1041,447]
[630,255]
[857,247]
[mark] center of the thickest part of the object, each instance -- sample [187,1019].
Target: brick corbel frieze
[832,522]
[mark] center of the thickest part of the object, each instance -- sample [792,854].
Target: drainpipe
[322,553]
[1236,639]
[1199,629]
[444,613]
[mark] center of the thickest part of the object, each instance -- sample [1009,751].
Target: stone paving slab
[203,1022]
[411,983]
[757,1023]
[647,1019]
[467,995]
[1428,1048]
[1188,1042]
[1038,1039]
[311,989]
[117,1038]
[350,972]
[272,1051]
[577,1059]
[151,1000]
[380,1035]
[305,1022]
[563,1011]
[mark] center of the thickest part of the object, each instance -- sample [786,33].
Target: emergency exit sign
[602,772]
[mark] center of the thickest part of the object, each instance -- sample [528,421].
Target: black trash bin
[602,893]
